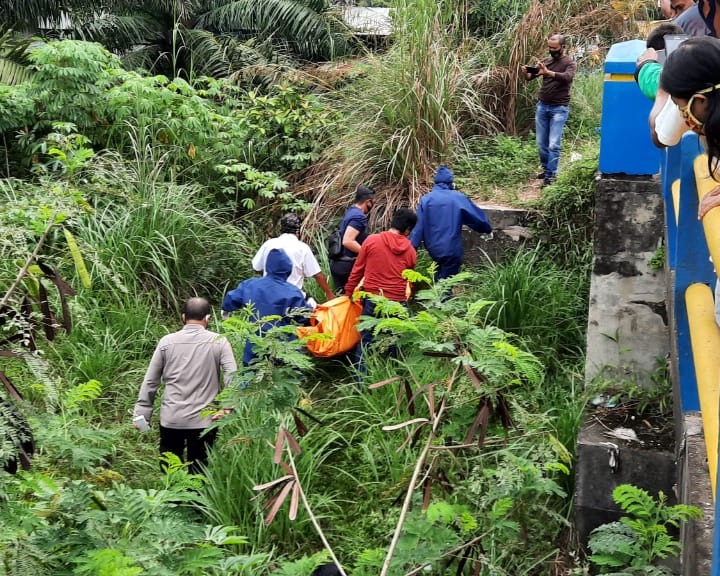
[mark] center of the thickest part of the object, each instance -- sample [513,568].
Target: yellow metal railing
[705,338]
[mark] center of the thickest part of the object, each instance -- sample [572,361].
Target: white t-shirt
[305,265]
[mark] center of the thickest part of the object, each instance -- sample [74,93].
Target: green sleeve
[648,78]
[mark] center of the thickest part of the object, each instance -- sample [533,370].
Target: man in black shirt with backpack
[353,231]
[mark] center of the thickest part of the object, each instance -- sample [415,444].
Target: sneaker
[540,176]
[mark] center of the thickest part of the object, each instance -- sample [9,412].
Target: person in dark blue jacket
[271,295]
[441,215]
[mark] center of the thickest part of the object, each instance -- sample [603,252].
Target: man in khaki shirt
[188,363]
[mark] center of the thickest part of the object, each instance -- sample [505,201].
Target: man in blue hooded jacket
[271,295]
[441,215]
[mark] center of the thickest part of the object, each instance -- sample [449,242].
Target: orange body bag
[336,318]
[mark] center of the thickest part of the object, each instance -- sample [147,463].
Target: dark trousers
[367,338]
[447,267]
[340,272]
[197,441]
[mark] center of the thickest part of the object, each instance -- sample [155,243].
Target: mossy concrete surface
[627,317]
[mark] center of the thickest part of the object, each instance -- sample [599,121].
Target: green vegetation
[635,543]
[124,193]
[191,39]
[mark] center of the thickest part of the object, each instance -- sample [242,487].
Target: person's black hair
[329,569]
[403,219]
[364,193]
[694,66]
[290,223]
[196,309]
[656,38]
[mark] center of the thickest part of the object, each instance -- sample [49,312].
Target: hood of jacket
[278,264]
[444,178]
[396,243]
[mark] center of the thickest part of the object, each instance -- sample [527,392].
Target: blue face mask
[710,18]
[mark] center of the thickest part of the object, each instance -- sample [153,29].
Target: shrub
[641,537]
[193,127]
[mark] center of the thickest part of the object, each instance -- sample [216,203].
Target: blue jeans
[549,124]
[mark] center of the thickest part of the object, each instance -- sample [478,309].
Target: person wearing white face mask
[553,106]
[691,77]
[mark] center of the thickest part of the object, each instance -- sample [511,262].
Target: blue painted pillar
[625,144]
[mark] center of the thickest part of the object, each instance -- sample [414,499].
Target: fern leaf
[85,392]
[41,370]
[78,259]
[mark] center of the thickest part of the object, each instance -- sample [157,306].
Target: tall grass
[585,107]
[166,245]
[241,461]
[408,113]
[347,463]
[543,304]
[523,41]
[111,344]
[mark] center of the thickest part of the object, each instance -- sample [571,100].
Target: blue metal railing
[688,259]
[687,252]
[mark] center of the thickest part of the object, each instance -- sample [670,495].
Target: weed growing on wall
[641,537]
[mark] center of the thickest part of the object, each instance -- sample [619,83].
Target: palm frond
[26,14]
[311,34]
[149,57]
[208,54]
[12,73]
[120,32]
[13,57]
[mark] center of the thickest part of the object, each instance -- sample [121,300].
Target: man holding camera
[553,105]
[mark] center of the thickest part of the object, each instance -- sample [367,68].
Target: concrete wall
[603,464]
[694,487]
[509,234]
[627,321]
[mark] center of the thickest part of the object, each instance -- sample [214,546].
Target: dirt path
[529,191]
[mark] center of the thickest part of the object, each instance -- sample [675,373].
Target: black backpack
[334,245]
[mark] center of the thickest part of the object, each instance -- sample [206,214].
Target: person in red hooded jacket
[380,265]
[383,257]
